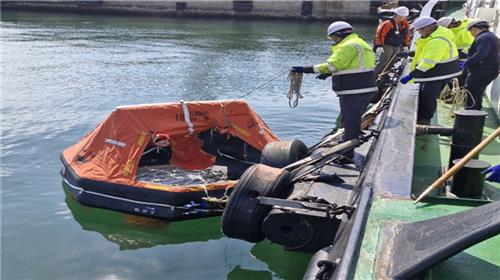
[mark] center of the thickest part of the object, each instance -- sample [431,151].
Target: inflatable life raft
[166,160]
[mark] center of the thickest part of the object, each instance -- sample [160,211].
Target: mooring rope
[294,93]
[456,96]
[264,84]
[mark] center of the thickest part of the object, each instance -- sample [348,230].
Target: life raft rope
[456,96]
[264,84]
[295,84]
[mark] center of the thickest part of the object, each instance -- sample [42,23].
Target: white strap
[356,91]
[437,78]
[186,116]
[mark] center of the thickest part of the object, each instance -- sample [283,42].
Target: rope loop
[456,97]
[295,84]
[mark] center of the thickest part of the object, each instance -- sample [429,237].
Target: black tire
[282,153]
[243,215]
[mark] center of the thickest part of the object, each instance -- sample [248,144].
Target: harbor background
[359,10]
[63,73]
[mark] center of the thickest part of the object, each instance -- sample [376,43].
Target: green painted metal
[433,151]
[481,261]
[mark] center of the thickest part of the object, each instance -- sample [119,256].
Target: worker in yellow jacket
[463,39]
[351,66]
[435,63]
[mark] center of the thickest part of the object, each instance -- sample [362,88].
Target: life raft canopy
[113,150]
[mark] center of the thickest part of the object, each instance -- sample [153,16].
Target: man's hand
[297,69]
[402,54]
[302,69]
[379,51]
[495,173]
[323,76]
[405,79]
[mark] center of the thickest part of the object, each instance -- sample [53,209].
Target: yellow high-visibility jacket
[351,65]
[463,38]
[436,56]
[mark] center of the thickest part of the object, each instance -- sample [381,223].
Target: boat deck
[480,261]
[432,151]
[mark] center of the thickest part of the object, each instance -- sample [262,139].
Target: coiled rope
[294,93]
[456,96]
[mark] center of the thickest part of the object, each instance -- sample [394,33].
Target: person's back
[482,63]
[347,57]
[463,38]
[490,60]
[351,66]
[436,56]
[435,62]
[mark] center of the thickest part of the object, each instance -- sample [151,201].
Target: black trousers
[352,107]
[476,84]
[427,100]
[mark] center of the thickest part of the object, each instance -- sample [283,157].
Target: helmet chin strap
[341,37]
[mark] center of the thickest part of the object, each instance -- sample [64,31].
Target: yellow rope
[456,97]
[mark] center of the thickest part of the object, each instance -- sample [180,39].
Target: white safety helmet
[478,22]
[422,22]
[402,11]
[338,26]
[444,21]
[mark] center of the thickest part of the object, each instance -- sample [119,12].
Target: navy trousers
[352,107]
[427,100]
[476,84]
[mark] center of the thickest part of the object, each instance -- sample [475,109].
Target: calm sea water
[63,73]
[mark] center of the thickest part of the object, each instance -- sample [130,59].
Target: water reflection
[63,73]
[132,232]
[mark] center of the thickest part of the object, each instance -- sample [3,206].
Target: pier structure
[305,10]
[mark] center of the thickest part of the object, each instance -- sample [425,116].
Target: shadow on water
[132,232]
[283,263]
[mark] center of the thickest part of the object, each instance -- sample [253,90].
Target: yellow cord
[456,97]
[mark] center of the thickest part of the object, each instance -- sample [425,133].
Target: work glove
[402,54]
[379,51]
[297,69]
[323,76]
[405,49]
[405,79]
[302,69]
[495,173]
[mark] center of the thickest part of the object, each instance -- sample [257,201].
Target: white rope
[187,119]
[264,84]
[456,96]
[294,92]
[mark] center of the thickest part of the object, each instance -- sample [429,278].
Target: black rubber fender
[243,215]
[283,153]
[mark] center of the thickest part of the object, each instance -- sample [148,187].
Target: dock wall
[362,10]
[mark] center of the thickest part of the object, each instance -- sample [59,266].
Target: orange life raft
[102,168]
